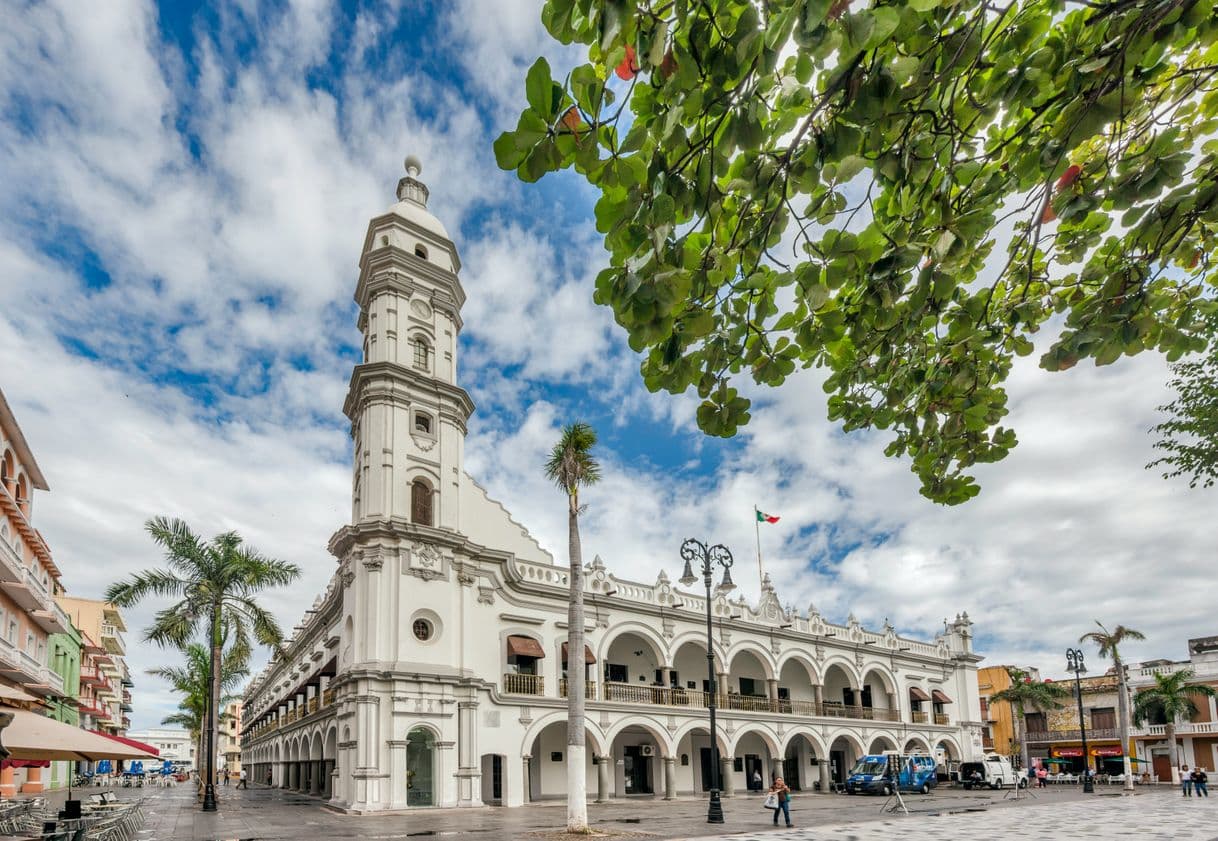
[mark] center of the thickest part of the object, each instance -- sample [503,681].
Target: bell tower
[408,415]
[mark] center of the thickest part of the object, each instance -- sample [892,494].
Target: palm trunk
[1171,751]
[1123,712]
[577,780]
[209,792]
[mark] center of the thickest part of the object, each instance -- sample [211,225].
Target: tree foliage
[1171,696]
[1189,437]
[902,193]
[192,680]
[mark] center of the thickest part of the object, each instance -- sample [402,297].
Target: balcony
[25,592]
[1072,735]
[51,621]
[1184,728]
[517,684]
[112,639]
[92,677]
[589,689]
[921,717]
[941,718]
[11,566]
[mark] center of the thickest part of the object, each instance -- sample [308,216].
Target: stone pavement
[262,814]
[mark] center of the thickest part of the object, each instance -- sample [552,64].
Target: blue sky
[187,188]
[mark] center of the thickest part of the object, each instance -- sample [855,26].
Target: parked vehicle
[870,775]
[993,771]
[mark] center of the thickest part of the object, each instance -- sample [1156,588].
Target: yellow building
[102,622]
[998,720]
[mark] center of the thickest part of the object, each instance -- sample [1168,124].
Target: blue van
[916,773]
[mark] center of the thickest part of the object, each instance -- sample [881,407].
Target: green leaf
[538,86]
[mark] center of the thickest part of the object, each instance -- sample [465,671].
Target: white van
[993,770]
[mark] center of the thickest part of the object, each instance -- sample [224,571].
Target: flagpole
[757,529]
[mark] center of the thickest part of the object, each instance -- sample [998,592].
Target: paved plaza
[262,814]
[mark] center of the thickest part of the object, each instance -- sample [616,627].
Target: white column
[823,767]
[726,779]
[469,767]
[670,778]
[604,767]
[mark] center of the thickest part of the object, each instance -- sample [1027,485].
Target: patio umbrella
[29,735]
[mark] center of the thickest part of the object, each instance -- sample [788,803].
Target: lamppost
[695,550]
[1074,663]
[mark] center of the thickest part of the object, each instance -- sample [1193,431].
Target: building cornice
[392,382]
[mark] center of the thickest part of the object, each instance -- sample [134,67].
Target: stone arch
[767,736]
[848,736]
[953,752]
[881,743]
[846,667]
[315,748]
[887,678]
[818,744]
[8,466]
[758,651]
[653,727]
[916,744]
[800,658]
[592,733]
[697,638]
[648,634]
[703,726]
[23,489]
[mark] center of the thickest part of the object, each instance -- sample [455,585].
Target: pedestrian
[757,781]
[226,776]
[1186,781]
[243,783]
[269,778]
[1201,782]
[782,797]
[1042,773]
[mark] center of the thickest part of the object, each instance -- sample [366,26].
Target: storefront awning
[148,750]
[589,657]
[918,693]
[939,697]
[524,647]
[33,736]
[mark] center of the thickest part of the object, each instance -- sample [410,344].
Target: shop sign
[1108,750]
[1065,753]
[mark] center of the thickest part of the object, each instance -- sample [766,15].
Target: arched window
[420,503]
[420,252]
[422,423]
[422,354]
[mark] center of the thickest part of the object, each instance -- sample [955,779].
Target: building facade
[105,681]
[998,717]
[29,582]
[228,751]
[1197,738]
[174,745]
[1057,733]
[65,650]
[433,669]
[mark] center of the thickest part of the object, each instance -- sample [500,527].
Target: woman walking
[782,796]
[1201,782]
[1186,781]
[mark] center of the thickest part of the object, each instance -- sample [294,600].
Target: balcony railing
[920,717]
[1073,735]
[517,684]
[312,705]
[1184,728]
[112,639]
[941,718]
[856,711]
[327,697]
[589,689]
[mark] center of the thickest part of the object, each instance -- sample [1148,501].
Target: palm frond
[151,582]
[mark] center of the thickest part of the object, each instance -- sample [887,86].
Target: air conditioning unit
[647,750]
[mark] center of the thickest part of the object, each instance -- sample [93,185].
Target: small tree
[215,582]
[1024,694]
[1171,697]
[192,681]
[571,467]
[1107,643]
[1189,438]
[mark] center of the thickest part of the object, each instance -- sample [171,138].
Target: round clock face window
[422,630]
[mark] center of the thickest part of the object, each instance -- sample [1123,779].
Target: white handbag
[771,800]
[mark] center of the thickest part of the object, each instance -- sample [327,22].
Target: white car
[993,771]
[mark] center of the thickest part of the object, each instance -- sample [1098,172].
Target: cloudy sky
[186,193]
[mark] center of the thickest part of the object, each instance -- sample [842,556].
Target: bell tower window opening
[420,252]
[422,354]
[422,423]
[420,503]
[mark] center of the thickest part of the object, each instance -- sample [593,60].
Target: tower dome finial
[411,188]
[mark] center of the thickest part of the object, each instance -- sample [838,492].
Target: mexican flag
[763,517]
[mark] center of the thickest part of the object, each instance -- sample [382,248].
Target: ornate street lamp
[1074,663]
[695,550]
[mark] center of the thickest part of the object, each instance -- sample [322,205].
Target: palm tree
[1170,696]
[215,582]
[193,682]
[1107,643]
[1023,694]
[571,467]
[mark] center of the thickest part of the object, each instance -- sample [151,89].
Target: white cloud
[239,263]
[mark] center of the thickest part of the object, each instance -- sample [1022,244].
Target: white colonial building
[432,670]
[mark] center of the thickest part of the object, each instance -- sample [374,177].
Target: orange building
[29,582]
